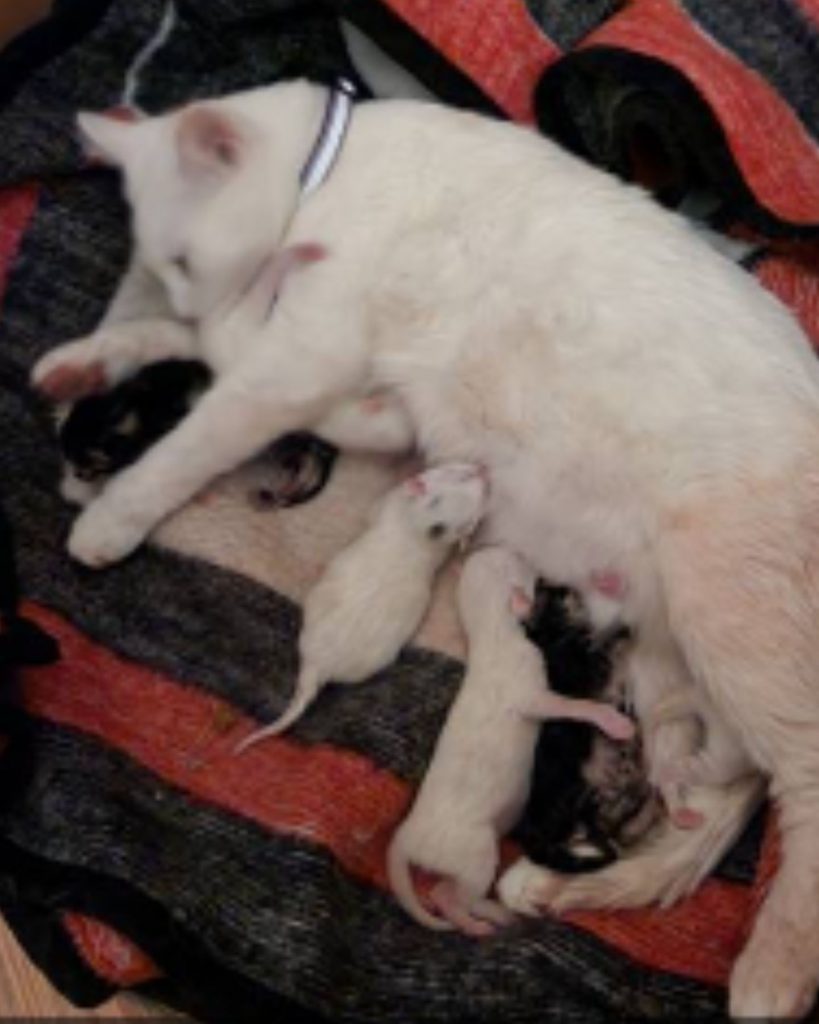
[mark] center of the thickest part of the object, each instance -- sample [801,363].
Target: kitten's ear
[107,137]
[210,142]
[520,603]
[416,486]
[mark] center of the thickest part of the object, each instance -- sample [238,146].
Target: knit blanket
[135,849]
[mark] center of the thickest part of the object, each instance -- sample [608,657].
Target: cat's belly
[574,525]
[568,502]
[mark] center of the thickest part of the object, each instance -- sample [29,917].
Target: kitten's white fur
[373,595]
[642,405]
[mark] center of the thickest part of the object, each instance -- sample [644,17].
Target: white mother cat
[643,407]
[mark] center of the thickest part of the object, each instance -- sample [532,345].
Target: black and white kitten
[590,795]
[104,433]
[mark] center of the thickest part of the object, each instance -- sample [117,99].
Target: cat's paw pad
[528,889]
[100,538]
[70,372]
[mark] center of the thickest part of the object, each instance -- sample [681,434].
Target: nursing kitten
[104,433]
[478,778]
[373,595]
[590,796]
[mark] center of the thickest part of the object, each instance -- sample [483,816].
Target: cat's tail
[308,685]
[400,878]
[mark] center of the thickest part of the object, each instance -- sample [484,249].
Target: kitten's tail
[402,885]
[308,685]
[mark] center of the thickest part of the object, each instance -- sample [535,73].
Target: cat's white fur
[371,598]
[716,758]
[642,405]
[479,776]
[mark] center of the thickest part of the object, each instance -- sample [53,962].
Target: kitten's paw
[71,371]
[528,889]
[99,537]
[615,724]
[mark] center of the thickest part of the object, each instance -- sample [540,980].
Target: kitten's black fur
[573,823]
[104,433]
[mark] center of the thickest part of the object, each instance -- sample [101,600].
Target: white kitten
[373,596]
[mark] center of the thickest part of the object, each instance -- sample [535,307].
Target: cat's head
[446,503]
[211,186]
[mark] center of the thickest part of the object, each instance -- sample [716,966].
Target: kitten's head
[102,434]
[495,581]
[446,503]
[211,186]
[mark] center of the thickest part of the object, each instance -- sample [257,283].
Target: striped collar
[331,137]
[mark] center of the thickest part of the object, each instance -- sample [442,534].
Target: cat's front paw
[71,371]
[100,537]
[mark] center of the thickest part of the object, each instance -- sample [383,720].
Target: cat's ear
[108,137]
[210,142]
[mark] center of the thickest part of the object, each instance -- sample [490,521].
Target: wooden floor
[25,993]
[23,990]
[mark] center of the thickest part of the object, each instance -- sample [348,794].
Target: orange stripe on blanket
[494,42]
[792,274]
[110,955]
[17,205]
[331,797]
[810,8]
[776,155]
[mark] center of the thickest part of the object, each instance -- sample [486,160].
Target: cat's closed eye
[182,265]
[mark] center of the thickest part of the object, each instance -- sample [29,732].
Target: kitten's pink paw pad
[67,383]
[616,725]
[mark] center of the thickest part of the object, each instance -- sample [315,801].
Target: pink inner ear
[208,141]
[416,486]
[520,603]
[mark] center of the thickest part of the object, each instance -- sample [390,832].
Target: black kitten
[104,433]
[589,794]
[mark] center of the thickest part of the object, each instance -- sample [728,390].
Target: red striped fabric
[793,276]
[495,42]
[17,206]
[108,953]
[775,154]
[332,797]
